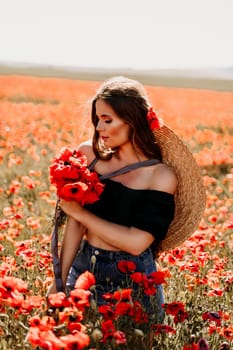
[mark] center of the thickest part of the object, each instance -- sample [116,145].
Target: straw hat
[190,196]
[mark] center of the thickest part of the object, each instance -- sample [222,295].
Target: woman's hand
[71,208]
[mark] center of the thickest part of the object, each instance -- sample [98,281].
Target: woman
[132,217]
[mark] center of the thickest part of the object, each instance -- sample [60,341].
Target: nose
[100,125]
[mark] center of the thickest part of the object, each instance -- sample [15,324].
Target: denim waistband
[86,247]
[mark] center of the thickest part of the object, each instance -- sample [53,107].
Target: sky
[136,34]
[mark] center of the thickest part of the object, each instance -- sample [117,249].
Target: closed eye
[104,118]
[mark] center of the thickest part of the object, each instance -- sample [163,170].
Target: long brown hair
[129,101]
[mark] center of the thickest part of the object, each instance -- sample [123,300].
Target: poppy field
[38,116]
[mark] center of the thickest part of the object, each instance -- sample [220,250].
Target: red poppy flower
[9,285]
[44,340]
[75,326]
[157,277]
[70,313]
[90,196]
[58,300]
[150,290]
[154,121]
[16,300]
[138,313]
[149,282]
[227,332]
[72,178]
[44,324]
[138,277]
[126,266]
[108,329]
[34,321]
[79,340]
[108,311]
[80,298]
[174,307]
[85,280]
[31,302]
[212,316]
[122,294]
[119,337]
[123,308]
[74,191]
[181,316]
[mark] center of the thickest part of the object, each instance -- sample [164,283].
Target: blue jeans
[104,265]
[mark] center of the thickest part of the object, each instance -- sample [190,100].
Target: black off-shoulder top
[148,210]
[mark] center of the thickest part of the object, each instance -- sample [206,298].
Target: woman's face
[112,130]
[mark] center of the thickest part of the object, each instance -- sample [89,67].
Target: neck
[129,154]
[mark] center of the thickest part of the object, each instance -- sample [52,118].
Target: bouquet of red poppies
[72,178]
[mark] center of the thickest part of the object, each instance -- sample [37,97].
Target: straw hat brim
[190,196]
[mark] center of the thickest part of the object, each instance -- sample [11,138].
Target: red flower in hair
[154,121]
[72,178]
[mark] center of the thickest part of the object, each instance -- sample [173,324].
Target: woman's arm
[128,239]
[73,234]
[72,237]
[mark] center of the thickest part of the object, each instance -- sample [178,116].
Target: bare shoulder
[164,179]
[86,149]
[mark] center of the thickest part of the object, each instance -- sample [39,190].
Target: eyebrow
[104,116]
